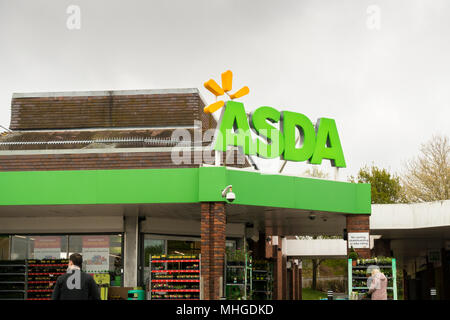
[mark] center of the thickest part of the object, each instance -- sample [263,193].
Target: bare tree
[427,177]
[315,173]
[315,268]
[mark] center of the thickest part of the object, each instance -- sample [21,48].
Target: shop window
[102,254]
[38,247]
[151,247]
[19,246]
[47,247]
[179,247]
[4,247]
[172,245]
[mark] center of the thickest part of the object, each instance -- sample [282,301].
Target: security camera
[228,193]
[324,218]
[312,216]
[231,196]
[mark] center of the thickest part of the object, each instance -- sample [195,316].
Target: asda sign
[236,129]
[317,142]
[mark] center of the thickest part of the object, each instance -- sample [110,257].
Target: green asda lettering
[317,143]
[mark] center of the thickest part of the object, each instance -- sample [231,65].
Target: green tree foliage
[386,187]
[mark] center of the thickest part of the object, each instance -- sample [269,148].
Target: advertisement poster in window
[47,248]
[96,253]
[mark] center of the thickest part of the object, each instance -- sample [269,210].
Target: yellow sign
[102,278]
[227,83]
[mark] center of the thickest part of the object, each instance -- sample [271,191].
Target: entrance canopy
[185,185]
[275,204]
[413,229]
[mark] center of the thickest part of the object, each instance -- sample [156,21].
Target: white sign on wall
[358,240]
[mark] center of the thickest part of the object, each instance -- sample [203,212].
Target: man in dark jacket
[75,284]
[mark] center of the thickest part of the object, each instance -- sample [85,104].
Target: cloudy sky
[386,81]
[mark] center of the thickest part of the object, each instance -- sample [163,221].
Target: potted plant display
[353,255]
[240,257]
[231,257]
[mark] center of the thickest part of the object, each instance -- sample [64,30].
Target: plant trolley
[358,276]
[174,277]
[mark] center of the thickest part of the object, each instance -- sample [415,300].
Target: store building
[83,170]
[418,234]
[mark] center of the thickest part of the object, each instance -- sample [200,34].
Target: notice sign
[96,253]
[47,248]
[358,240]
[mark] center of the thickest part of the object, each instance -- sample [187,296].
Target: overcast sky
[388,88]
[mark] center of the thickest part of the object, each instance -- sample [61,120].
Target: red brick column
[294,281]
[280,272]
[259,248]
[277,277]
[359,223]
[298,281]
[213,222]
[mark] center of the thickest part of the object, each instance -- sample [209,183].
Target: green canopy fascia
[181,185]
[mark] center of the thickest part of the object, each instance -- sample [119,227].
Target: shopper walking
[75,284]
[378,285]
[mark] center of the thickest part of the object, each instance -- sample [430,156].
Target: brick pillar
[213,222]
[259,248]
[280,272]
[277,273]
[270,253]
[294,281]
[359,223]
[288,284]
[284,286]
[298,288]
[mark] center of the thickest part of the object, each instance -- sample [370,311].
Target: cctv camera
[312,216]
[231,196]
[228,193]
[324,218]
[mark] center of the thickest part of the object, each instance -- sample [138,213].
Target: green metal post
[245,271]
[250,278]
[394,278]
[349,278]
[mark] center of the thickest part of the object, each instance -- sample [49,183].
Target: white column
[131,247]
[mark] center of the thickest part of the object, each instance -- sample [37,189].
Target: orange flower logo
[215,89]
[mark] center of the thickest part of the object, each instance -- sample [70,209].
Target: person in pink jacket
[378,285]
